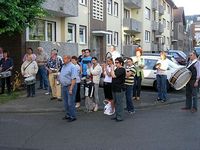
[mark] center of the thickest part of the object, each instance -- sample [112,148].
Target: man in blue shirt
[67,79]
[85,61]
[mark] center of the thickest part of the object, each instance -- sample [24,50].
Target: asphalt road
[160,128]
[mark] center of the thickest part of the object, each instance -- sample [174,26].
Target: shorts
[107,90]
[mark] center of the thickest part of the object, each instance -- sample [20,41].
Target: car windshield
[197,49]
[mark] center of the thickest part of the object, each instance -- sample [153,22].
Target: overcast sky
[191,7]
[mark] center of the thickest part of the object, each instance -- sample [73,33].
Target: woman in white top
[161,77]
[29,70]
[74,60]
[95,71]
[108,82]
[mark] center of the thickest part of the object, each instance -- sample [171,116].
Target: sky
[191,7]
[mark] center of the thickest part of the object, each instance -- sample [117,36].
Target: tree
[16,15]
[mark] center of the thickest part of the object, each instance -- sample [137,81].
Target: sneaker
[47,93]
[78,105]
[96,108]
[137,98]
[193,110]
[131,112]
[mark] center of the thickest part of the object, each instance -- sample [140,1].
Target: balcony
[131,25]
[133,3]
[154,25]
[154,4]
[154,47]
[62,8]
[129,50]
[161,10]
[63,47]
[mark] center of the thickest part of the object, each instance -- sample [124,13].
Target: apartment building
[150,25]
[98,24]
[51,31]
[179,41]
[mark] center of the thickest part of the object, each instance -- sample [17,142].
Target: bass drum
[180,78]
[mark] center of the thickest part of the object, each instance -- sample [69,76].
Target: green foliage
[16,15]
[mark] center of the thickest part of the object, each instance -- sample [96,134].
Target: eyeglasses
[87,52]
[116,62]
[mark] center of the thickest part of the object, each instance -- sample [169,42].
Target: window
[168,41]
[83,2]
[147,36]
[82,34]
[163,39]
[110,7]
[126,13]
[98,10]
[71,33]
[115,38]
[115,9]
[168,9]
[42,30]
[127,39]
[164,23]
[147,13]
[164,5]
[109,38]
[168,25]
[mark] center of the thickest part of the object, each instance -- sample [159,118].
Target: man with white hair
[41,59]
[114,52]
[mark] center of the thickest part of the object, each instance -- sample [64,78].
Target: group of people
[62,78]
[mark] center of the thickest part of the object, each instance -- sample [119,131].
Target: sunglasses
[116,62]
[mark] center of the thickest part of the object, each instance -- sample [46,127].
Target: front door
[100,51]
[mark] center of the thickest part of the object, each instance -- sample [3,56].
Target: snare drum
[180,78]
[5,74]
[30,80]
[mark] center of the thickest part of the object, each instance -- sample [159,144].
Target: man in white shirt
[114,52]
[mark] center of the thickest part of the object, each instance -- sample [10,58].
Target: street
[162,128]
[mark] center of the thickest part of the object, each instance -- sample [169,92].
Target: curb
[152,105]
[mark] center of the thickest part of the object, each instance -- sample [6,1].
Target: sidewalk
[42,103]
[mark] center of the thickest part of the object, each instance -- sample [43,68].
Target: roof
[179,15]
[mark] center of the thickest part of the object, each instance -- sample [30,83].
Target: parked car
[150,72]
[170,57]
[197,49]
[179,55]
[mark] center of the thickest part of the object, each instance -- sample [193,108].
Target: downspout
[89,37]
[122,31]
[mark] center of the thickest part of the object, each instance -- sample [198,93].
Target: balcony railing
[62,8]
[155,25]
[129,50]
[155,4]
[133,3]
[132,25]
[161,10]
[63,47]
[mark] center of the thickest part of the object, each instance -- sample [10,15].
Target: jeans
[137,86]
[191,95]
[162,86]
[31,90]
[129,101]
[96,93]
[42,72]
[7,82]
[119,107]
[69,101]
[78,94]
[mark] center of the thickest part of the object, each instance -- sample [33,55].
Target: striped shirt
[130,80]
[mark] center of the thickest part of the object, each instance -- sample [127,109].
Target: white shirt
[163,67]
[95,72]
[115,54]
[108,79]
